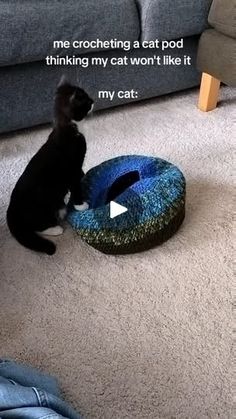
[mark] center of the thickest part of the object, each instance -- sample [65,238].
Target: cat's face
[72,102]
[80,104]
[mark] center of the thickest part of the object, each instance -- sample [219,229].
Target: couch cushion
[223,16]
[28,28]
[170,19]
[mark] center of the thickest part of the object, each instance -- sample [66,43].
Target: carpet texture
[140,336]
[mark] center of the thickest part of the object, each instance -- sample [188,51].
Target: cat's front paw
[82,207]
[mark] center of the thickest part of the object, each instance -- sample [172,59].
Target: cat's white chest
[67,198]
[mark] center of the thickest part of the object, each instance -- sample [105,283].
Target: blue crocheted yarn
[159,206]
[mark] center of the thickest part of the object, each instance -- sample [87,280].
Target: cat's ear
[63,81]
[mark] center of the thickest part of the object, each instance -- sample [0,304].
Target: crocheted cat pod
[155,203]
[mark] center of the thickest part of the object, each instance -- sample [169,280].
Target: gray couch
[28,29]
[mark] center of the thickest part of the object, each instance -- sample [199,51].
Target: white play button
[116,209]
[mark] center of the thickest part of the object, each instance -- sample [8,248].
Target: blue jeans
[26,393]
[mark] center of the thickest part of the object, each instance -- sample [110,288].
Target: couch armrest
[171,19]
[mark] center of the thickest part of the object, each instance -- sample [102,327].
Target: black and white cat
[38,200]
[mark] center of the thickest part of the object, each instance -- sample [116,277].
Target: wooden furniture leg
[209,91]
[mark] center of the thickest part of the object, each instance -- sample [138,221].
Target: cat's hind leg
[52,231]
[50,227]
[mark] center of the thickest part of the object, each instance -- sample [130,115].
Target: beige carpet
[141,336]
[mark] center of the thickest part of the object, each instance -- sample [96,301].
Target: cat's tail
[31,239]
